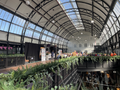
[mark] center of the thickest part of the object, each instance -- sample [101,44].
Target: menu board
[43,54]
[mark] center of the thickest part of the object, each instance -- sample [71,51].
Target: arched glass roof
[72,12]
[112,25]
[56,21]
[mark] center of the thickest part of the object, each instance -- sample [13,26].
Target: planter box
[2,62]
[11,61]
[20,60]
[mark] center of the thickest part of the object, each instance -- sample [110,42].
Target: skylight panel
[71,10]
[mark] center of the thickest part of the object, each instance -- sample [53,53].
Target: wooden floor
[6,70]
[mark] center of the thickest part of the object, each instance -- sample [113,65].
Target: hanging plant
[100,59]
[81,59]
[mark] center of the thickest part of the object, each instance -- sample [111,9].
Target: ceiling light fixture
[95,34]
[102,71]
[28,2]
[53,21]
[85,40]
[92,21]
[81,33]
[105,26]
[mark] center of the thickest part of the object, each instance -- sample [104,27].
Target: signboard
[49,56]
[60,52]
[43,54]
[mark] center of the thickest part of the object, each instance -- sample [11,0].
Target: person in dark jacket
[52,54]
[104,87]
[100,79]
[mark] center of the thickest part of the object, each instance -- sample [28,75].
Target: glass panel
[113,16]
[36,35]
[9,17]
[112,31]
[117,9]
[111,20]
[2,13]
[107,36]
[50,34]
[28,33]
[117,25]
[63,1]
[16,29]
[44,37]
[5,15]
[109,23]
[18,21]
[30,25]
[54,40]
[115,28]
[67,5]
[38,29]
[49,39]
[45,32]
[4,25]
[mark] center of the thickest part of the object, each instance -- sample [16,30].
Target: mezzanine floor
[6,70]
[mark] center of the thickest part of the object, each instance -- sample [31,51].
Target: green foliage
[18,79]
[99,58]
[12,55]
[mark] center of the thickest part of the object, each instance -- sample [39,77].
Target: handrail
[80,83]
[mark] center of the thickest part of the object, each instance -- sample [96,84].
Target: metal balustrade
[11,61]
[89,65]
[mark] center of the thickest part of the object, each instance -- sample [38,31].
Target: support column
[21,51]
[7,46]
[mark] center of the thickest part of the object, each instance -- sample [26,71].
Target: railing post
[53,82]
[86,63]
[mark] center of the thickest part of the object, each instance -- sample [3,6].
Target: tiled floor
[6,70]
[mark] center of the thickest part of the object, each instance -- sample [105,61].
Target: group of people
[93,54]
[61,55]
[65,55]
[94,79]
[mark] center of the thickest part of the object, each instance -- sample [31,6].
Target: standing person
[74,53]
[114,54]
[52,54]
[104,86]
[100,79]
[111,54]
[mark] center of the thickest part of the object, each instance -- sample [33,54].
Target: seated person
[58,56]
